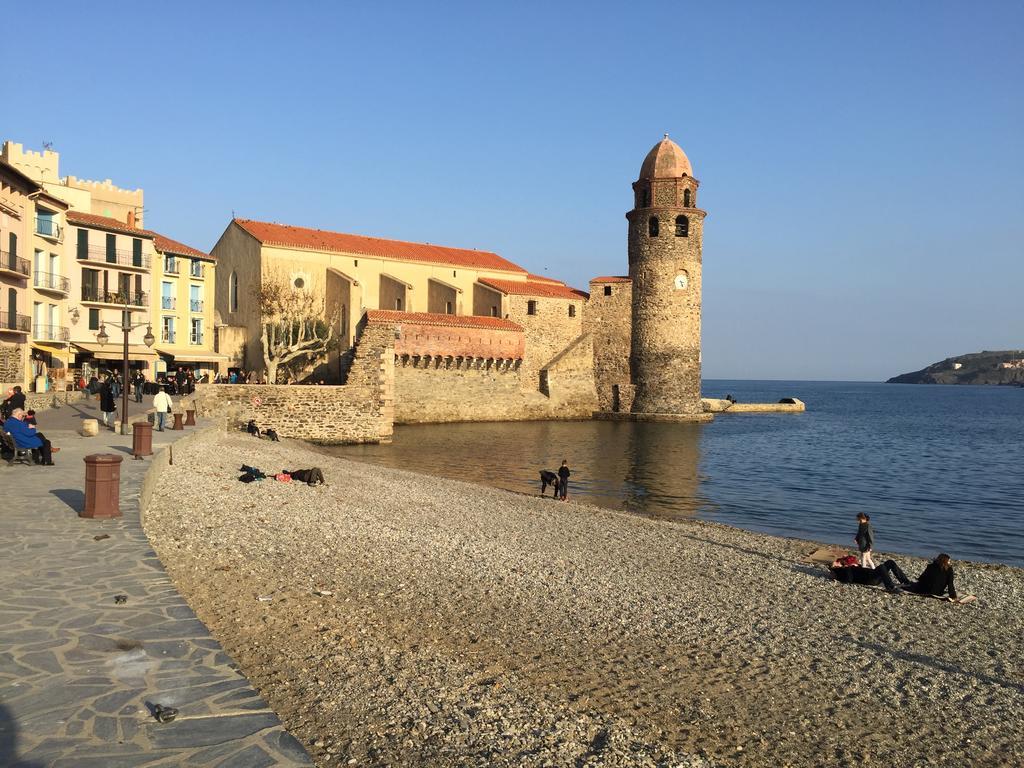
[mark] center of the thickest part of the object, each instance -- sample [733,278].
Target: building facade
[93,261]
[351,274]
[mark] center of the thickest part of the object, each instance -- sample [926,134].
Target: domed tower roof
[666,160]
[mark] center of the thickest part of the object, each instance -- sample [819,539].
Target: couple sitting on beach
[936,580]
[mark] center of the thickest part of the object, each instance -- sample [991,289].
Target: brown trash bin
[102,486]
[177,421]
[142,439]
[190,418]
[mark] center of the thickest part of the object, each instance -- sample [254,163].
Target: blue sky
[861,163]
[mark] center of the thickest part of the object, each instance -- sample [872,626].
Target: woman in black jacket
[936,580]
[107,404]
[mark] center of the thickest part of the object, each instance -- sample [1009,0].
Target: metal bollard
[177,422]
[142,439]
[102,486]
[190,418]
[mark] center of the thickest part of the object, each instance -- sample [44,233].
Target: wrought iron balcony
[120,298]
[11,264]
[197,269]
[48,281]
[171,266]
[118,256]
[50,333]
[14,323]
[49,228]
[196,305]
[167,302]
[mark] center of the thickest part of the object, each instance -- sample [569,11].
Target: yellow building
[352,274]
[184,305]
[97,261]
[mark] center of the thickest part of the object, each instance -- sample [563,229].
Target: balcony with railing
[196,305]
[195,338]
[49,228]
[12,322]
[11,264]
[118,256]
[55,333]
[167,336]
[48,281]
[171,266]
[197,269]
[167,302]
[119,298]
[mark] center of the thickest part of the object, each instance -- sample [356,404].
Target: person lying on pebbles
[935,581]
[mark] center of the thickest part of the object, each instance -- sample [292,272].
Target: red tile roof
[338,242]
[611,279]
[431,318]
[551,290]
[105,222]
[166,245]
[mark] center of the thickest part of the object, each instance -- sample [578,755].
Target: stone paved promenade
[79,673]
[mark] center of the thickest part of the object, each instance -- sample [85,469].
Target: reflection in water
[645,468]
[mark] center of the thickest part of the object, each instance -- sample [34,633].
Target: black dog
[548,478]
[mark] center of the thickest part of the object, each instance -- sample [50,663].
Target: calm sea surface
[936,467]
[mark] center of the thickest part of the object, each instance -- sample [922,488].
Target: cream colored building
[97,261]
[352,274]
[183,300]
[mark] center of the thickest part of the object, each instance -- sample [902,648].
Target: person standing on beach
[563,480]
[865,539]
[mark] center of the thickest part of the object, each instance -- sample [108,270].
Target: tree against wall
[295,326]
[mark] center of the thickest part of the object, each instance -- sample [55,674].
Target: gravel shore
[392,618]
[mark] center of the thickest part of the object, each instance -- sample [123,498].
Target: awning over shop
[195,357]
[61,352]
[116,351]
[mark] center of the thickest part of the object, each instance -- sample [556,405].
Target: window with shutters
[83,243]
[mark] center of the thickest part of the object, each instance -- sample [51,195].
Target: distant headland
[1006,368]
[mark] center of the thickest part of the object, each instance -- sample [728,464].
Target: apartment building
[185,304]
[112,278]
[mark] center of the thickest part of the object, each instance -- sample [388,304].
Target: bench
[10,448]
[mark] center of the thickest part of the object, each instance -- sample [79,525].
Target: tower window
[645,198]
[572,310]
[682,226]
[531,307]
[607,290]
[233,292]
[652,226]
[686,198]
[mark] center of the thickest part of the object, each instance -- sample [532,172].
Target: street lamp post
[127,326]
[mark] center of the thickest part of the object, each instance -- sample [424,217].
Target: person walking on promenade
[115,385]
[108,405]
[563,480]
[140,383]
[162,405]
[937,578]
[865,539]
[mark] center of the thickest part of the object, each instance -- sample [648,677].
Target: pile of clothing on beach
[311,476]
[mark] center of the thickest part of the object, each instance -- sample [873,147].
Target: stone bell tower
[665,232]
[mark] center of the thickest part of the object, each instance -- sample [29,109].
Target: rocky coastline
[392,618]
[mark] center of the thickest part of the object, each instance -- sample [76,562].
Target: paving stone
[252,757]
[76,670]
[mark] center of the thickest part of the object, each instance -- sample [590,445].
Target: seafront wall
[361,411]
[440,391]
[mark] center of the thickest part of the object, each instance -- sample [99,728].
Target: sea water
[938,468]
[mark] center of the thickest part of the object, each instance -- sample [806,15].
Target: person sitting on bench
[847,570]
[26,436]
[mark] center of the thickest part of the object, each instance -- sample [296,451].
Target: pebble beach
[399,619]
